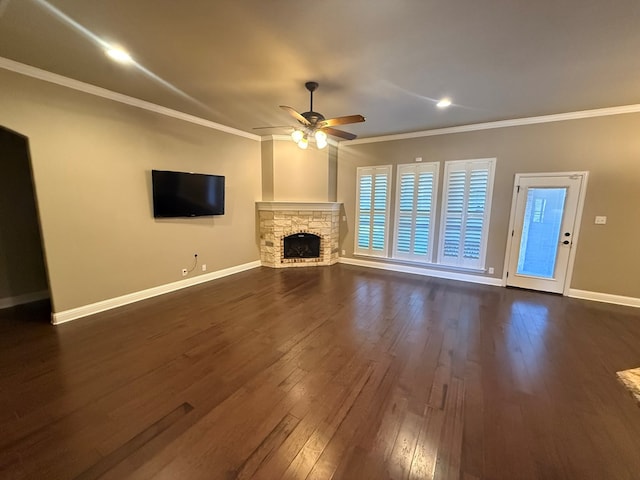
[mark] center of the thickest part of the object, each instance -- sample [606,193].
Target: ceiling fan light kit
[321,138]
[301,137]
[303,143]
[297,135]
[316,127]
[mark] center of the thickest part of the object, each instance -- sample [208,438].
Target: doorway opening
[23,273]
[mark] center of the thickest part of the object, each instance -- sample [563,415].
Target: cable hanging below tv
[183,194]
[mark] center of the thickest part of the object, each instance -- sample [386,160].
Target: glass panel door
[541,240]
[541,231]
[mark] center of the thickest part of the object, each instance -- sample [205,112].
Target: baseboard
[604,297]
[8,302]
[497,282]
[428,272]
[79,312]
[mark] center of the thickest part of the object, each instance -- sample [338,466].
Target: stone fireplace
[295,234]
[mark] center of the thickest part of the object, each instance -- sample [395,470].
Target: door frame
[576,229]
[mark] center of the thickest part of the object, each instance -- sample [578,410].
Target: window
[468,186]
[415,208]
[372,210]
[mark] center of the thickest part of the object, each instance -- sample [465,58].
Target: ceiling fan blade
[338,133]
[295,115]
[341,120]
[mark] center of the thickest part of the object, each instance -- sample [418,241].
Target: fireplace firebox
[301,245]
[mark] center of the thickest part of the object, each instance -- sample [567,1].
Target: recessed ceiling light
[443,103]
[119,55]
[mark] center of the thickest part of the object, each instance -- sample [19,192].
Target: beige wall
[607,258]
[91,162]
[266,152]
[22,268]
[300,175]
[290,174]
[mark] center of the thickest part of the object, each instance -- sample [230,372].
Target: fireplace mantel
[278,220]
[299,206]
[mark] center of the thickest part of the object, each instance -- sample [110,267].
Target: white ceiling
[235,61]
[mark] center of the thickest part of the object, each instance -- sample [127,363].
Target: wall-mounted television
[182,194]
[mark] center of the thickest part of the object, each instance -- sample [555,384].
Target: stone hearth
[280,219]
[631,380]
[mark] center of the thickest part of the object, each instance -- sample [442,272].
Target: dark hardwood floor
[316,373]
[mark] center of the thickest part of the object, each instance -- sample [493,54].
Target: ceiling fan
[315,126]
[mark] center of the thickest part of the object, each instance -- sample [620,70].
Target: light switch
[601,220]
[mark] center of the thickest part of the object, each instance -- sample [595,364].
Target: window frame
[434,168]
[454,166]
[357,250]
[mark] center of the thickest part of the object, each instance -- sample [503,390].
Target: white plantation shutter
[415,206]
[372,210]
[466,206]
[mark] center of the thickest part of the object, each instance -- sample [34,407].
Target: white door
[546,208]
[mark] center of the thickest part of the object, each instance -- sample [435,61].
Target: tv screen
[181,194]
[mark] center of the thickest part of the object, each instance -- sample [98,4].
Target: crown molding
[278,137]
[557,117]
[44,75]
[54,78]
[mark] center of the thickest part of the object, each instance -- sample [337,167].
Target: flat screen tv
[182,194]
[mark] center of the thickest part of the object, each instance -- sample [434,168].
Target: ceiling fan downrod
[311,86]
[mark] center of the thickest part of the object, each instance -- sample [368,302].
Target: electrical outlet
[184,272]
[344,252]
[491,270]
[204,267]
[601,220]
[344,218]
